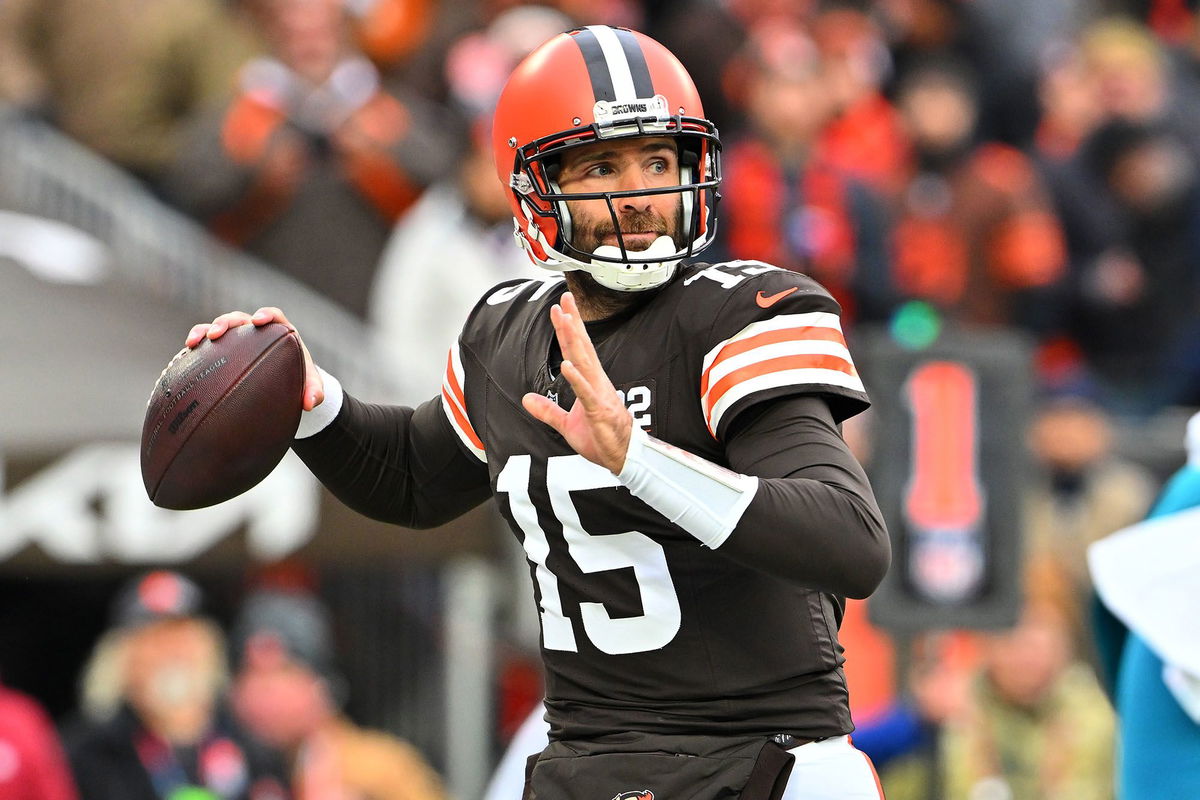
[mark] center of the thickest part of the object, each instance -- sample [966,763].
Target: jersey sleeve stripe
[802,333]
[785,350]
[813,324]
[772,345]
[774,380]
[454,378]
[455,406]
[819,362]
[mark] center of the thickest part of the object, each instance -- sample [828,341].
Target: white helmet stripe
[618,65]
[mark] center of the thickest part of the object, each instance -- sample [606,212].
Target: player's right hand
[314,387]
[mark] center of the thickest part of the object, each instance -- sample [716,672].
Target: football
[221,416]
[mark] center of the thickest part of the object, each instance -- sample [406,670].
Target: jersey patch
[802,350]
[639,398]
[454,403]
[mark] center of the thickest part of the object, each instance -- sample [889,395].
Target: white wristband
[317,420]
[704,499]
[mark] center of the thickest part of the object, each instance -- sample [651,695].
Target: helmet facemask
[620,267]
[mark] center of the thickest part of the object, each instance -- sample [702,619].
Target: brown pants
[640,766]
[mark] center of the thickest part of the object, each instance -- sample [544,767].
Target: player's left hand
[598,426]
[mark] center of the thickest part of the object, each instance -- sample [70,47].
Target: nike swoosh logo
[766,301]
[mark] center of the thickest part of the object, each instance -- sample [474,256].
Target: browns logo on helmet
[603,83]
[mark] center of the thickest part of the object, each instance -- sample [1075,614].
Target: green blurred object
[192,793]
[916,325]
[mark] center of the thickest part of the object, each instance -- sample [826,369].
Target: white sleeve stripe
[774,380]
[454,404]
[448,409]
[812,319]
[778,350]
[457,415]
[456,364]
[453,398]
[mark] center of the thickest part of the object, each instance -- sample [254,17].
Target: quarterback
[662,437]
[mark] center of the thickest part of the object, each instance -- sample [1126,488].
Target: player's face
[622,165]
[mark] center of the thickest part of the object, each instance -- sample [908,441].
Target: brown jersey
[643,627]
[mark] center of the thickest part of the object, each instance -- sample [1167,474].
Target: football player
[661,436]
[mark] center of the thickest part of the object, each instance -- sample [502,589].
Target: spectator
[1005,41]
[463,219]
[388,31]
[1069,100]
[783,204]
[1158,710]
[313,161]
[124,82]
[903,740]
[866,136]
[977,236]
[1071,110]
[1080,490]
[32,763]
[1036,725]
[707,35]
[479,61]
[1147,279]
[155,727]
[918,30]
[286,691]
[1135,79]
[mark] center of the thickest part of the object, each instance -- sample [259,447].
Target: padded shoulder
[766,332]
[506,306]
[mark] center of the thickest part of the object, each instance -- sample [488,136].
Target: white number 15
[660,619]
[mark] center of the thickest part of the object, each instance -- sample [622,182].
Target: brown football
[221,416]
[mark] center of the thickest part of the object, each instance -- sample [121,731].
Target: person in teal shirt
[1159,743]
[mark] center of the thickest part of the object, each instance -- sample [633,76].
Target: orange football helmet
[591,84]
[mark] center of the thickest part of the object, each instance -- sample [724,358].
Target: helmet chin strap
[625,277]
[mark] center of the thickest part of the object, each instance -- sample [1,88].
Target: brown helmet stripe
[615,63]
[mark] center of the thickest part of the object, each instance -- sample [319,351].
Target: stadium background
[102,271]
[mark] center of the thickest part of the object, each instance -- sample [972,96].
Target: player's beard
[590,234]
[599,302]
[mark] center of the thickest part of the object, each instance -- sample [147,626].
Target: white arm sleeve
[704,499]
[317,420]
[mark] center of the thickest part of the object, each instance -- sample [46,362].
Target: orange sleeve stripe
[452,381]
[781,364]
[457,402]
[461,421]
[810,333]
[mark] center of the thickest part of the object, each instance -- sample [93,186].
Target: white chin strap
[625,277]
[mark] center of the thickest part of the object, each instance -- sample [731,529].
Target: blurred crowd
[1030,165]
[173,706]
